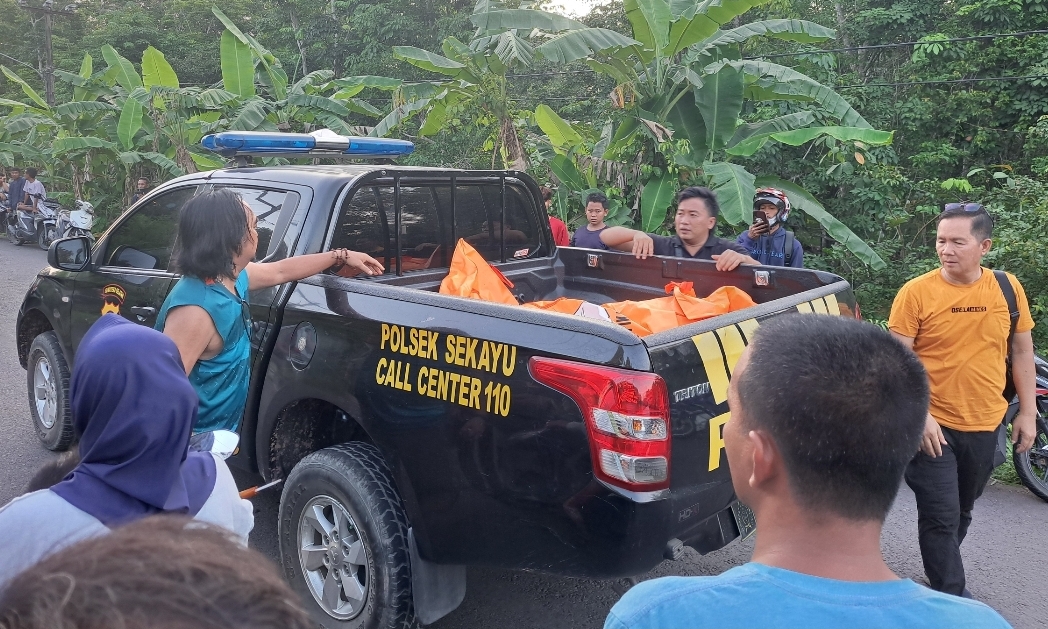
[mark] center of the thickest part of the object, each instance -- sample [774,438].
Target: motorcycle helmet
[777,198]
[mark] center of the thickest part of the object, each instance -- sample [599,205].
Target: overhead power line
[945,81]
[830,50]
[901,44]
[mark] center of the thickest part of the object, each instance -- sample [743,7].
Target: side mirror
[69,254]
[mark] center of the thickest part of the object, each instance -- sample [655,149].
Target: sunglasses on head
[966,207]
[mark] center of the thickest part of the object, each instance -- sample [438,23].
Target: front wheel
[48,382]
[344,539]
[1032,465]
[46,237]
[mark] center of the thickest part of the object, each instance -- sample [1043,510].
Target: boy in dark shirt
[588,235]
[697,212]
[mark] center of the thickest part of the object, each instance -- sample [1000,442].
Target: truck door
[131,270]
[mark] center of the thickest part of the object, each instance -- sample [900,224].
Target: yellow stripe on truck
[805,308]
[718,364]
[713,363]
[831,304]
[819,306]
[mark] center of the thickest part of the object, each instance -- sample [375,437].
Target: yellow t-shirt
[961,335]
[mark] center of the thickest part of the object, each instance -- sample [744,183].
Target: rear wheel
[46,237]
[1032,465]
[48,382]
[344,539]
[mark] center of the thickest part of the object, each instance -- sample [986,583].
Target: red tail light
[627,418]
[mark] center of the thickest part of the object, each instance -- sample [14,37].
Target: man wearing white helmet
[768,240]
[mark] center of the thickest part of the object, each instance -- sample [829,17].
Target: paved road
[1001,551]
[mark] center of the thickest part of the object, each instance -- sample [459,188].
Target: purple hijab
[133,409]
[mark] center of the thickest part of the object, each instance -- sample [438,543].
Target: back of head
[157,573]
[845,404]
[30,172]
[546,192]
[211,230]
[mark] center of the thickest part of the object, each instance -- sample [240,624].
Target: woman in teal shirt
[207,314]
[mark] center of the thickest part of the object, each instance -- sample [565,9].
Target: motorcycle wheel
[1032,465]
[46,237]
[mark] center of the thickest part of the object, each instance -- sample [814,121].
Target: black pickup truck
[418,433]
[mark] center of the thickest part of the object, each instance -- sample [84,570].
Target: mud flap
[437,589]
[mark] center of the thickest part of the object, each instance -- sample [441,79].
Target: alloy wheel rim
[333,558]
[44,393]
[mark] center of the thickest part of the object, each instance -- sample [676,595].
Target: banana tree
[681,85]
[475,79]
[264,100]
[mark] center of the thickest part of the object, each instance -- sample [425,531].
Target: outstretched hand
[361,262]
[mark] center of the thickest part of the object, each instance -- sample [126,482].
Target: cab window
[430,227]
[145,239]
[268,205]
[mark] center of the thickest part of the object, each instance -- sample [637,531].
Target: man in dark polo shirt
[697,212]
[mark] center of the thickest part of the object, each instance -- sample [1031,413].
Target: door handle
[143,312]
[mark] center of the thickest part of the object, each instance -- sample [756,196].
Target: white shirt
[34,189]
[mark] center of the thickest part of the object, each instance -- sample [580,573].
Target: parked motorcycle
[77,222]
[1032,465]
[23,226]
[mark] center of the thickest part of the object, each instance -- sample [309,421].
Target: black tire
[354,476]
[1032,465]
[45,237]
[45,356]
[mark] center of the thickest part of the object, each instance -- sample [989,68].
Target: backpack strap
[678,248]
[788,249]
[1013,306]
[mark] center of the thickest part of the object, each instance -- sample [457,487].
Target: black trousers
[946,488]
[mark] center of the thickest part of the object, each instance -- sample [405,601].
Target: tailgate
[696,362]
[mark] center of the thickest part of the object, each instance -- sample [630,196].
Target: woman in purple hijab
[133,409]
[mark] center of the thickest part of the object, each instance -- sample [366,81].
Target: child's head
[596,209]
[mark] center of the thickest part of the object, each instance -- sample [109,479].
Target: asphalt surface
[1000,553]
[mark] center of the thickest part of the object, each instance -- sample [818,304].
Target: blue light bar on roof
[323,142]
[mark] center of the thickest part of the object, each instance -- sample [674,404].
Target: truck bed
[515,487]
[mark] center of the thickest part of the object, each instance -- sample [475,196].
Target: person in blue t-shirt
[588,235]
[817,450]
[207,314]
[768,241]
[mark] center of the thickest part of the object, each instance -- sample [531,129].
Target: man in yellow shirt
[957,320]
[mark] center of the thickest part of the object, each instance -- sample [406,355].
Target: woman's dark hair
[547,193]
[162,572]
[211,230]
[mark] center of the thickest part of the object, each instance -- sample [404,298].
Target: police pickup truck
[418,433]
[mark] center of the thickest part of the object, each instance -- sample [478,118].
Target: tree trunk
[515,158]
[841,23]
[298,40]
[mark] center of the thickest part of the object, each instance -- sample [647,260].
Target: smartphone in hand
[760,221]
